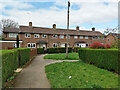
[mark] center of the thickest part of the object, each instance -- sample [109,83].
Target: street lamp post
[67,30]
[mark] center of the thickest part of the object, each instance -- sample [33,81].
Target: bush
[103,58]
[40,50]
[24,55]
[9,63]
[107,46]
[97,45]
[12,59]
[59,50]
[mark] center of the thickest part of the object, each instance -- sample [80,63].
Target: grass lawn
[82,75]
[62,56]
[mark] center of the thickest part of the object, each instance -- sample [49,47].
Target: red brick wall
[8,45]
[111,39]
[33,52]
[51,40]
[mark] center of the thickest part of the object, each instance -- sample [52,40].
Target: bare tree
[9,23]
[111,30]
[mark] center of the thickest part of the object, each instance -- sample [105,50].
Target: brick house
[39,37]
[111,38]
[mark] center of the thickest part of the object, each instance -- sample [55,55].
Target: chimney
[93,29]
[30,24]
[77,28]
[54,26]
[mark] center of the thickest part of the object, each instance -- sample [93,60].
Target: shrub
[9,63]
[24,55]
[97,45]
[107,46]
[59,50]
[103,58]
[40,50]
[12,59]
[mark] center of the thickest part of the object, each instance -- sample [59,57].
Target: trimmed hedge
[103,58]
[9,64]
[59,50]
[40,50]
[12,59]
[24,55]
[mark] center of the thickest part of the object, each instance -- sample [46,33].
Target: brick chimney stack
[54,26]
[93,29]
[77,28]
[30,24]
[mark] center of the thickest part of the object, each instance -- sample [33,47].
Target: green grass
[62,56]
[82,76]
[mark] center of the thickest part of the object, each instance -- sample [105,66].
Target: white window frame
[56,36]
[53,45]
[86,37]
[44,36]
[31,44]
[27,36]
[36,35]
[81,37]
[15,45]
[75,37]
[68,37]
[13,35]
[61,36]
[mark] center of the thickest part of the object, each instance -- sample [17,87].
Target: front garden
[62,56]
[97,68]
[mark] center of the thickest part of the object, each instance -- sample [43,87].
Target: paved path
[33,76]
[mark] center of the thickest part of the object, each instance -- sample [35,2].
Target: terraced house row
[40,37]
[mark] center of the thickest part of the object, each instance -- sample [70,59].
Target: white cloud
[89,12]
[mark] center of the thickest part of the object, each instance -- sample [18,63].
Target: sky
[101,14]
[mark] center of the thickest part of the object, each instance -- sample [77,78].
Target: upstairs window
[27,35]
[14,35]
[75,37]
[44,35]
[81,37]
[61,36]
[31,45]
[55,45]
[67,36]
[86,37]
[55,36]
[36,35]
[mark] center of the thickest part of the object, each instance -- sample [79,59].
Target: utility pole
[67,30]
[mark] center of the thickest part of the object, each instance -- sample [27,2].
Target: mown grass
[82,76]
[62,56]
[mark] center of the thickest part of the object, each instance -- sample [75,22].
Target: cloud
[89,12]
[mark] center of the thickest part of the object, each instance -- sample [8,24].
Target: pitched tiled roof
[27,29]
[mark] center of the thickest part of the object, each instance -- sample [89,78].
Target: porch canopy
[41,41]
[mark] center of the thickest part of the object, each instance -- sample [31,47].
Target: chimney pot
[77,28]
[30,23]
[93,29]
[54,26]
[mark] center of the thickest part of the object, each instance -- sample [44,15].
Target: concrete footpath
[33,76]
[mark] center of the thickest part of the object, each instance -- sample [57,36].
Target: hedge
[59,50]
[40,50]
[12,59]
[103,58]
[24,55]
[9,63]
